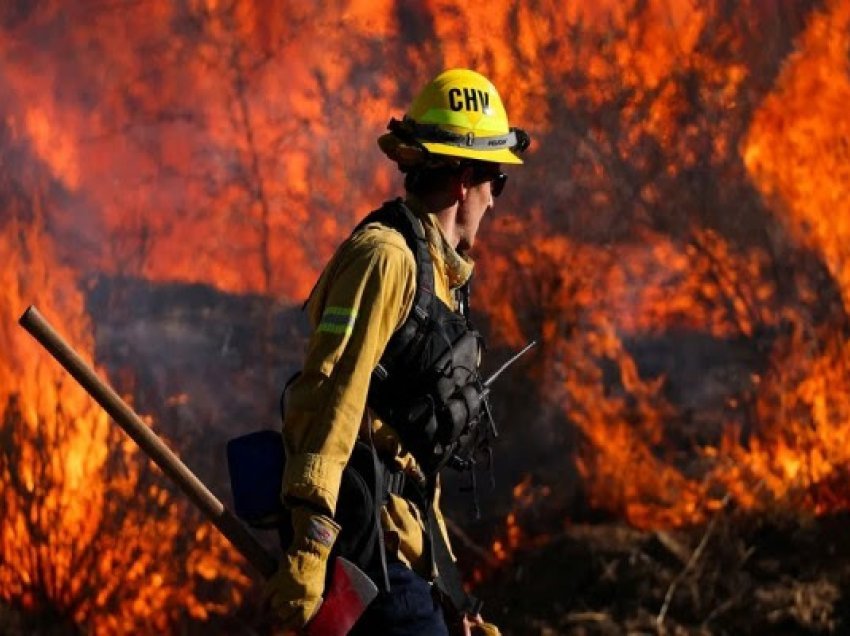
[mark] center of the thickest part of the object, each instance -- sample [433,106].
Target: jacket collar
[457,267]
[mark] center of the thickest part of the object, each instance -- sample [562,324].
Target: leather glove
[295,590]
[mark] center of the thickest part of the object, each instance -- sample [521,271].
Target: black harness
[426,385]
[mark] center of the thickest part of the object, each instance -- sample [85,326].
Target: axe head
[349,594]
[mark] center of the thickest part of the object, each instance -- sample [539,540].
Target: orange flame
[797,149]
[794,454]
[235,148]
[86,530]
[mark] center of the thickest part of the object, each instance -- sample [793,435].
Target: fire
[800,456]
[685,182]
[602,295]
[785,432]
[526,495]
[797,147]
[199,160]
[214,153]
[53,146]
[797,155]
[88,532]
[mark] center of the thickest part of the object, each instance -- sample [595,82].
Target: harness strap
[395,482]
[448,576]
[378,498]
[395,214]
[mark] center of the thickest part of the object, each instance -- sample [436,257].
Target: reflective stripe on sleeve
[339,320]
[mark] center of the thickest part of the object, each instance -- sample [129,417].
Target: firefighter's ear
[463,183]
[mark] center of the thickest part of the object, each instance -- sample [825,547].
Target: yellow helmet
[460,115]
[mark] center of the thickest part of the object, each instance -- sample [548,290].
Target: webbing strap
[396,215]
[448,576]
[394,482]
[378,496]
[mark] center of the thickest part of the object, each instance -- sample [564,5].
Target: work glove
[295,590]
[474,626]
[484,629]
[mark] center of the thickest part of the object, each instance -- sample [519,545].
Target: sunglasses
[497,179]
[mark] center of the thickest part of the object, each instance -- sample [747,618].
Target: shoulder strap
[396,215]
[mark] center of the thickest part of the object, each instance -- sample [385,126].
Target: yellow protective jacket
[361,298]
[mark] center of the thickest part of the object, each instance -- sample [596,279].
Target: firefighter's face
[478,199]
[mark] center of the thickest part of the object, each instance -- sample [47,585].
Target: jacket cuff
[314,479]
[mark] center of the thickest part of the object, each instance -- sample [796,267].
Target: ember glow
[687,185]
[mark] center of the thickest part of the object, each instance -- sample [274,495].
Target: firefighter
[390,375]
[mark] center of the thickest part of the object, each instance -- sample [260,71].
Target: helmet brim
[502,155]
